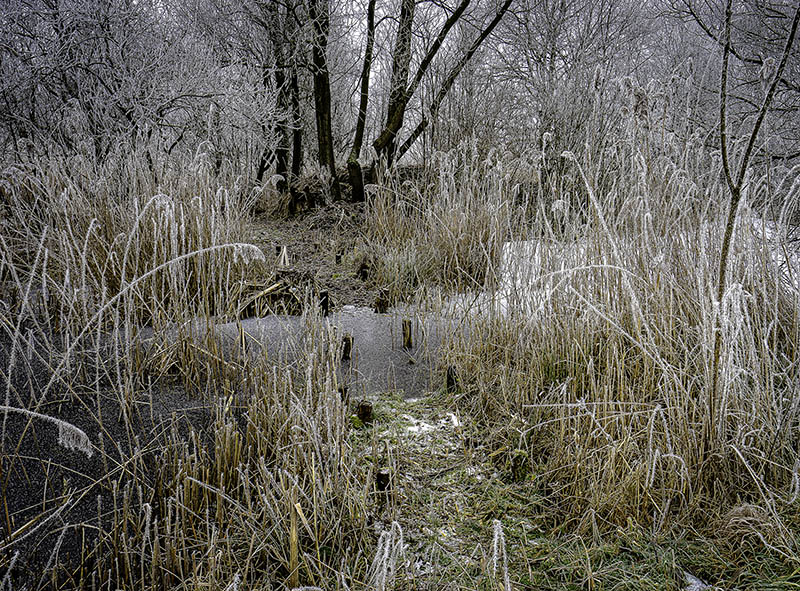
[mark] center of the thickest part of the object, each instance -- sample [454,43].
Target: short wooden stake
[364,412]
[407,343]
[451,380]
[324,303]
[347,347]
[382,480]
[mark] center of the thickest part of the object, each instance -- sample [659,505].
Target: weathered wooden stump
[383,480]
[451,380]
[347,347]
[407,342]
[364,412]
[363,271]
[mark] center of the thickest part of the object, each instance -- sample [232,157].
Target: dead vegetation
[577,454]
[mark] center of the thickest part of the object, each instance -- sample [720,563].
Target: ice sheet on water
[531,272]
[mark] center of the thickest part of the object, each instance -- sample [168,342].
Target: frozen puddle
[531,272]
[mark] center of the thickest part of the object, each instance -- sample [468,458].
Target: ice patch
[532,272]
[693,583]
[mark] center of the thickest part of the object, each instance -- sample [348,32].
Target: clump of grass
[598,348]
[269,491]
[592,352]
[446,228]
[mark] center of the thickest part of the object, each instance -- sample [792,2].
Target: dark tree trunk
[282,129]
[268,155]
[353,165]
[263,164]
[297,129]
[318,12]
[401,59]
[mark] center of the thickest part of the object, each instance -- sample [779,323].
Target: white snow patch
[418,426]
[453,420]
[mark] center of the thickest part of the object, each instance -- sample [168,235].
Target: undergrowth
[143,449]
[585,346]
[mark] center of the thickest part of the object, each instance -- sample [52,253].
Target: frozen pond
[378,360]
[529,275]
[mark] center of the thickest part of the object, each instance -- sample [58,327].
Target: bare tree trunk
[451,78]
[270,153]
[282,128]
[297,128]
[401,59]
[384,144]
[318,11]
[353,165]
[735,182]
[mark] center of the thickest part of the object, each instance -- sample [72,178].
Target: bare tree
[735,180]
[755,48]
[562,58]
[86,76]
[353,165]
[318,12]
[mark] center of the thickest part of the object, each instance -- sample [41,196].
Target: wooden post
[364,412]
[324,303]
[347,347]
[451,380]
[382,480]
[407,343]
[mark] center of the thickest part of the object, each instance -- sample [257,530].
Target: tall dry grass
[180,461]
[442,226]
[592,353]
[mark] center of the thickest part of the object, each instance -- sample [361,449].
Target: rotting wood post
[365,412]
[407,343]
[383,485]
[324,303]
[382,480]
[451,380]
[347,347]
